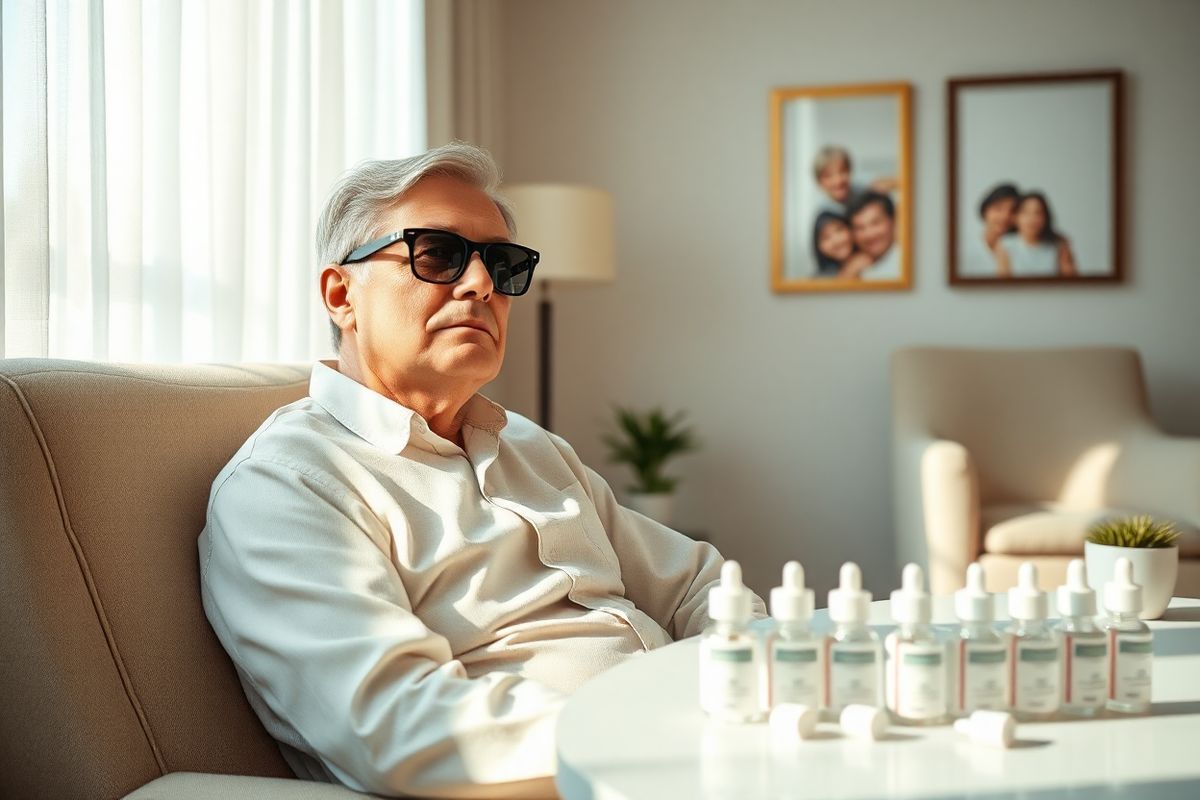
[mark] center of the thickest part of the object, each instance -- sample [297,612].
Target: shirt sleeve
[298,584]
[666,574]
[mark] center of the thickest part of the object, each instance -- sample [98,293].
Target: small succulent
[645,442]
[1140,531]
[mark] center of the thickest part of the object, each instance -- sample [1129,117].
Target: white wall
[665,104]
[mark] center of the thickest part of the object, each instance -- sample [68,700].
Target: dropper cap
[849,602]
[730,600]
[973,603]
[1025,600]
[791,602]
[995,728]
[1075,597]
[910,603]
[1121,594]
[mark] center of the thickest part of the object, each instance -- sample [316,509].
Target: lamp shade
[570,225]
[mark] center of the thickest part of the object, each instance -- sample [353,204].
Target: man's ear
[336,281]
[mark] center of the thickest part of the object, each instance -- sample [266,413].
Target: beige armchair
[111,680]
[1010,455]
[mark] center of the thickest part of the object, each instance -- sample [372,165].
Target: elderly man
[409,579]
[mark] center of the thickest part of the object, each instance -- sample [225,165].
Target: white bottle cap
[1025,600]
[1075,597]
[730,601]
[791,602]
[864,722]
[995,728]
[789,720]
[1121,594]
[973,603]
[910,603]
[849,602]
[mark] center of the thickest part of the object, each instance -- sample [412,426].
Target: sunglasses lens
[511,268]
[438,257]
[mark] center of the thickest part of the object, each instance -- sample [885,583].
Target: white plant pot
[1154,569]
[658,506]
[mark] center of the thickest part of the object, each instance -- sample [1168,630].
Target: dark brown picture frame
[955,88]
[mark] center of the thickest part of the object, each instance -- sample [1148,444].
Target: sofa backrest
[111,675]
[1027,417]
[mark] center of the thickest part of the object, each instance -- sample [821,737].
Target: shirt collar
[382,421]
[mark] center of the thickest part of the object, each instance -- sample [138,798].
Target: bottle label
[728,678]
[1085,670]
[795,673]
[982,676]
[852,674]
[916,680]
[1130,667]
[1035,676]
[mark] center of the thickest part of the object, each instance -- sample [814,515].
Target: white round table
[636,731]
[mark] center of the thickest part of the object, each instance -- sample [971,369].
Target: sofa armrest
[937,508]
[1158,473]
[205,786]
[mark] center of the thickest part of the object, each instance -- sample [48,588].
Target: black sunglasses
[439,256]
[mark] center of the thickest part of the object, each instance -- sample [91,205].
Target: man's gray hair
[828,155]
[358,205]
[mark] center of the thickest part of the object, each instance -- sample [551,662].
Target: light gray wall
[665,104]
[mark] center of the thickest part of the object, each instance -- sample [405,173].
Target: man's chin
[477,361]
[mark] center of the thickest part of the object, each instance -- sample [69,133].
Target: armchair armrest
[1158,473]
[937,497]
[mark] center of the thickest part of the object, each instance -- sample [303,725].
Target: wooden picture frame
[1036,179]
[835,150]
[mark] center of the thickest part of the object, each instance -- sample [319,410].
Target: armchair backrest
[111,673]
[1027,417]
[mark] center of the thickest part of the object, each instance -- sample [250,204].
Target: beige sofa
[1010,455]
[113,683]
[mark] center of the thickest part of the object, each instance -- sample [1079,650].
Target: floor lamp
[572,227]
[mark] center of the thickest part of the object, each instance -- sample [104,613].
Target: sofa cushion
[1051,529]
[112,675]
[202,786]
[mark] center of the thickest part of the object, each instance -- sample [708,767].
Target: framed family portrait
[1035,170]
[841,188]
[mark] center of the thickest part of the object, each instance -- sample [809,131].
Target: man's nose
[475,281]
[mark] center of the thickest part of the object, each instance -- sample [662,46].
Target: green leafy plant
[1140,531]
[646,441]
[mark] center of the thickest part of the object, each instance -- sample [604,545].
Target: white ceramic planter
[658,506]
[1154,568]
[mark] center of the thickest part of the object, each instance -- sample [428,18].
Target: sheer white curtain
[165,160]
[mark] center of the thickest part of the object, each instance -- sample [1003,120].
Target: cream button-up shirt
[407,616]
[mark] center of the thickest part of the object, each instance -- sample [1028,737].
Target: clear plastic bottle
[794,653]
[917,680]
[981,665]
[1130,643]
[854,659]
[729,656]
[1033,648]
[1084,646]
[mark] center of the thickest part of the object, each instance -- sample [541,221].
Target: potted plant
[646,441]
[1149,544]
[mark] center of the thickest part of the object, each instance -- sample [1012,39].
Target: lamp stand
[545,324]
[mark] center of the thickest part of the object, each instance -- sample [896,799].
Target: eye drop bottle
[853,658]
[794,652]
[729,670]
[981,663]
[916,659]
[1084,646]
[1130,643]
[1032,650]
